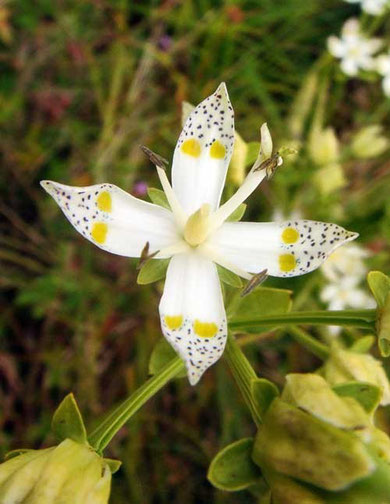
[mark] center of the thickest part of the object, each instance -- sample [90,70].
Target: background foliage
[82,85]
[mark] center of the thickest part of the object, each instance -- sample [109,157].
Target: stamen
[161,163]
[256,280]
[145,256]
[252,180]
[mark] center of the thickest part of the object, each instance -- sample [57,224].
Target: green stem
[353,318]
[308,342]
[107,429]
[243,374]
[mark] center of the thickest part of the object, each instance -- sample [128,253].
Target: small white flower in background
[195,234]
[373,7]
[346,262]
[383,67]
[354,49]
[345,293]
[345,270]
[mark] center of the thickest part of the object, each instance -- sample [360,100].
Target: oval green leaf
[232,468]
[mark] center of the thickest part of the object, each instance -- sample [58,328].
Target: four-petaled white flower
[373,7]
[354,49]
[383,67]
[195,234]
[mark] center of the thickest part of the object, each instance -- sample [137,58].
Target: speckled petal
[114,220]
[192,313]
[203,152]
[284,249]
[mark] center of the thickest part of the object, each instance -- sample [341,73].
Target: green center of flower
[197,226]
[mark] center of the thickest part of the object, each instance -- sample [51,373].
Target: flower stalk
[364,319]
[107,429]
[243,374]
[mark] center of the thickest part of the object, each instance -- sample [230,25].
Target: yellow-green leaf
[232,468]
[152,271]
[67,421]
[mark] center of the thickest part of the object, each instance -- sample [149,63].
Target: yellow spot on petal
[287,262]
[191,147]
[217,150]
[104,202]
[173,321]
[290,235]
[205,329]
[99,232]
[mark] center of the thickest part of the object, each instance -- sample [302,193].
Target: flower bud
[369,142]
[329,178]
[319,446]
[323,146]
[70,473]
[345,365]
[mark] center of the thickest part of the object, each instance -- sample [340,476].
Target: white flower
[195,234]
[348,262]
[346,294]
[373,7]
[345,270]
[383,67]
[354,49]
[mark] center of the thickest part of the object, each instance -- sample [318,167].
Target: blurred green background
[82,85]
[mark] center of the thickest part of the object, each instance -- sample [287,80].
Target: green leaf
[114,465]
[367,394]
[238,213]
[152,271]
[232,468]
[158,197]
[263,393]
[228,277]
[362,345]
[379,284]
[67,421]
[261,301]
[162,354]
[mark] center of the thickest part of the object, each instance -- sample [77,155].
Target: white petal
[266,145]
[114,220]
[336,47]
[285,249]
[192,312]
[351,27]
[203,152]
[373,7]
[382,64]
[349,66]
[373,45]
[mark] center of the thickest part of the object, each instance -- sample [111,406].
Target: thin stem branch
[308,342]
[107,429]
[353,318]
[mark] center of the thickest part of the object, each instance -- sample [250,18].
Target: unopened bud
[369,142]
